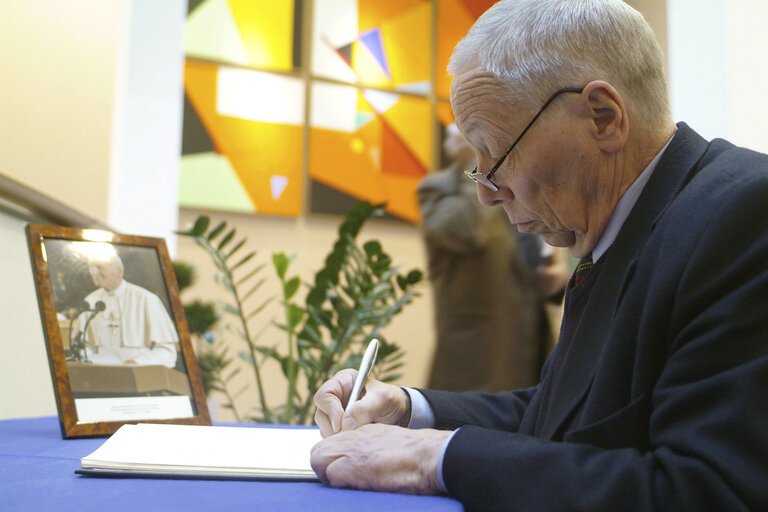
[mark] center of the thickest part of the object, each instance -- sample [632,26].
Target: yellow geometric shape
[367,67]
[266,28]
[371,13]
[407,41]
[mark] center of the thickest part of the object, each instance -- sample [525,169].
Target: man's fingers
[322,421]
[329,400]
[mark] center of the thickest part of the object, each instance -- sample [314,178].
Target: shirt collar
[624,206]
[119,291]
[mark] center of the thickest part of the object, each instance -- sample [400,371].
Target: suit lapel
[596,320]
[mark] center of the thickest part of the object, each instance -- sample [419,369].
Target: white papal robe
[134,326]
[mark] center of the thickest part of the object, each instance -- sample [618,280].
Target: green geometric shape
[210,32]
[207,181]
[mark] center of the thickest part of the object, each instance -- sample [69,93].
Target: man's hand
[382,458]
[380,403]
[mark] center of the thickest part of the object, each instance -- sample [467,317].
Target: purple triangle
[372,40]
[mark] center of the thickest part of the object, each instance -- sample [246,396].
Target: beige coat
[492,331]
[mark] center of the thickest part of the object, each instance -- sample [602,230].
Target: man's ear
[608,121]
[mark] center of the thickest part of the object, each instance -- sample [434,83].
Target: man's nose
[488,197]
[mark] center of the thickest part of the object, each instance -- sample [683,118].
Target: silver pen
[366,365]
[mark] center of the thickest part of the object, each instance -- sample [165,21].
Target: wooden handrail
[38,207]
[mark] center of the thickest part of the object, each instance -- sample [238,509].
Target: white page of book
[202,448]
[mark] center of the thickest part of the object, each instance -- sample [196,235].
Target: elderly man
[655,397]
[128,324]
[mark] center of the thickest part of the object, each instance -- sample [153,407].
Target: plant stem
[221,261]
[291,374]
[256,369]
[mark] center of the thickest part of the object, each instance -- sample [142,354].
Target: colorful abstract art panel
[255,121]
[374,43]
[254,33]
[370,99]
[454,18]
[370,145]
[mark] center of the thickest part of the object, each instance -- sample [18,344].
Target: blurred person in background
[490,284]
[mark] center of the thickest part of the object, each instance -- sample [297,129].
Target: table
[37,473]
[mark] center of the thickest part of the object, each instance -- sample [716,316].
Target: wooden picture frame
[118,344]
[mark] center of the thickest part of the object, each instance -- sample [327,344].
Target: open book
[191,451]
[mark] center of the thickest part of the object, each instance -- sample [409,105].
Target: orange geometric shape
[476,8]
[453,21]
[411,118]
[444,113]
[259,152]
[332,162]
[396,158]
[401,194]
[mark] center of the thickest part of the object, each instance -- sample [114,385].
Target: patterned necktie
[585,264]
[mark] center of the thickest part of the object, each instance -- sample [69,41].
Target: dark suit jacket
[662,403]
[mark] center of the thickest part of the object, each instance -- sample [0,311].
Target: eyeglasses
[486,179]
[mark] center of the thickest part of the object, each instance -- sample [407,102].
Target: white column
[718,68]
[147,119]
[698,66]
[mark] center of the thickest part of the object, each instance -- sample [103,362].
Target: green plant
[216,371]
[355,294]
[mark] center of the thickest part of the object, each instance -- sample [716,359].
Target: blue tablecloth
[37,474]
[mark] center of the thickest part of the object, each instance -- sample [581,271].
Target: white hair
[535,47]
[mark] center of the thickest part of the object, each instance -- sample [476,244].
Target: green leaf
[249,275]
[229,308]
[294,315]
[217,230]
[290,288]
[243,261]
[260,308]
[201,224]
[228,238]
[253,289]
[280,261]
[236,248]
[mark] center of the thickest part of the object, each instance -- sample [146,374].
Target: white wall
[91,106]
[25,377]
[91,99]
[718,68]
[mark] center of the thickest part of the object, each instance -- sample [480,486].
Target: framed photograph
[118,344]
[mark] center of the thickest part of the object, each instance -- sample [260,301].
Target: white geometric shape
[334,25]
[277,185]
[380,101]
[334,107]
[258,96]
[415,87]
